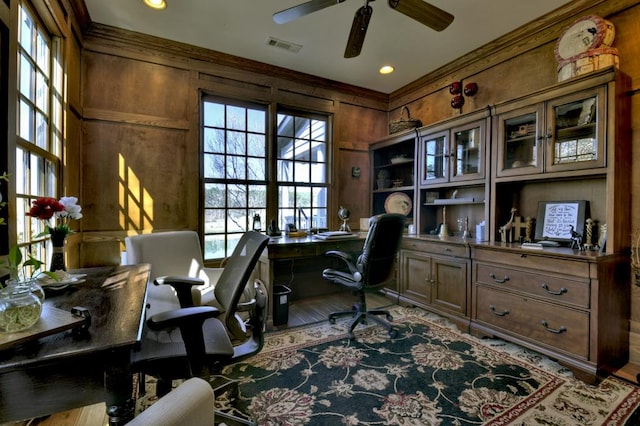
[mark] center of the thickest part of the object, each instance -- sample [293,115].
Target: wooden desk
[64,371]
[298,264]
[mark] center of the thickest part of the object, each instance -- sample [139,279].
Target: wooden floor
[300,312]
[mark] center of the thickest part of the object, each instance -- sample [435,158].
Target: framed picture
[556,219]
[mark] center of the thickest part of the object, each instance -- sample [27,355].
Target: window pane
[42,92]
[236,118]
[236,143]
[26,120]
[237,195]
[213,114]
[256,169]
[256,121]
[214,195]
[285,148]
[318,130]
[318,173]
[258,196]
[236,167]
[303,150]
[302,172]
[213,166]
[256,145]
[237,220]
[26,31]
[26,72]
[285,171]
[41,130]
[42,54]
[214,246]
[214,140]
[302,127]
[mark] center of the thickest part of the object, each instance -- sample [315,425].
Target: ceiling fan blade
[425,13]
[301,10]
[358,31]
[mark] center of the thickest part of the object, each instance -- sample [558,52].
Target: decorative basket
[404,123]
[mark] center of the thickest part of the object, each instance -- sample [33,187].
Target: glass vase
[20,308]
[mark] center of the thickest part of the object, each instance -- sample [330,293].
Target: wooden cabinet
[434,275]
[454,154]
[393,173]
[453,164]
[572,307]
[560,134]
[568,142]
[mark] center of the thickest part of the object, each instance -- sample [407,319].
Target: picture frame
[555,220]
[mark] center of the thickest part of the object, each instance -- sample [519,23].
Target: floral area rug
[431,374]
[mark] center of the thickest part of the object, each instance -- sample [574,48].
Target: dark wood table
[298,263]
[69,370]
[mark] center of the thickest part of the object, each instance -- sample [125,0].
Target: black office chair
[373,269]
[193,341]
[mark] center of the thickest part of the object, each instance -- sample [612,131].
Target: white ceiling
[242,28]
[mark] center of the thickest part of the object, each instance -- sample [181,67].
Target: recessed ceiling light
[156,4]
[386,69]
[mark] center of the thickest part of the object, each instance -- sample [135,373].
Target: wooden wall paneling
[354,191]
[135,178]
[124,85]
[73,51]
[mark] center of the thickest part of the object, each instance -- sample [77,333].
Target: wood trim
[140,119]
[99,34]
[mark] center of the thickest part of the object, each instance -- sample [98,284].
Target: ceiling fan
[425,13]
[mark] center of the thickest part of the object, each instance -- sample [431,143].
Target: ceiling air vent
[286,45]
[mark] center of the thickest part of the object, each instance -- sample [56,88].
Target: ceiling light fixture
[156,4]
[386,69]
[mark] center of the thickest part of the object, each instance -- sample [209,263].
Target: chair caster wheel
[332,320]
[389,318]
[393,333]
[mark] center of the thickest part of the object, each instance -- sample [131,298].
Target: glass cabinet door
[434,162]
[519,142]
[576,132]
[467,152]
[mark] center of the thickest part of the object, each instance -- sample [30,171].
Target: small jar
[20,308]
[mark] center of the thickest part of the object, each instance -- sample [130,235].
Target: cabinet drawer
[562,328]
[292,251]
[352,246]
[557,288]
[528,259]
[436,248]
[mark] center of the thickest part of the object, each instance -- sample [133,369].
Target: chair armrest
[346,258]
[179,317]
[182,286]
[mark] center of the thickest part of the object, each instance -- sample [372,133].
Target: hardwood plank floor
[301,312]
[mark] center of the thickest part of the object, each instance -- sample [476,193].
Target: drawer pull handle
[562,328]
[500,314]
[504,280]
[555,293]
[447,249]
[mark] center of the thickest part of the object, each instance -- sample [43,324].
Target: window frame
[38,165]
[271,210]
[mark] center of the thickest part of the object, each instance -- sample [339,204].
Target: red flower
[45,207]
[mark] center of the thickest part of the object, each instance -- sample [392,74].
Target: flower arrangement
[64,210]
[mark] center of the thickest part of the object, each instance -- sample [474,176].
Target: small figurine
[505,230]
[576,239]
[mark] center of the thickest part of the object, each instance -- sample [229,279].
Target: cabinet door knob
[500,314]
[562,328]
[501,281]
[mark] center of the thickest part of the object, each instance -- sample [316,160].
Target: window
[39,125]
[234,153]
[236,169]
[302,170]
